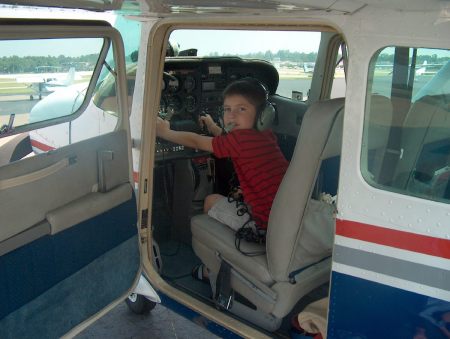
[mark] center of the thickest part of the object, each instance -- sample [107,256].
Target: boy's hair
[251,89]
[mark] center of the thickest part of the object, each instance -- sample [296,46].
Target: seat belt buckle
[224,292]
[398,152]
[224,301]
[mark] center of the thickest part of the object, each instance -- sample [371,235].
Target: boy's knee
[210,200]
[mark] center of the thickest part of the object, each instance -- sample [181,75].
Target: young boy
[256,157]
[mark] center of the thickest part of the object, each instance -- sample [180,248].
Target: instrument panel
[193,86]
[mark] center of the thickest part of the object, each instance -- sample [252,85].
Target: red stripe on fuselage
[41,146]
[399,239]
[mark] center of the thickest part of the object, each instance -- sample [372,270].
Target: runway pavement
[20,105]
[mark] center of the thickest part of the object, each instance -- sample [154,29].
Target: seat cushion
[220,238]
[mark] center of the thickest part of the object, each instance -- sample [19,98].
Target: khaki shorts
[226,213]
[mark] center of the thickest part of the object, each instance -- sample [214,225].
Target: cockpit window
[406,142]
[293,53]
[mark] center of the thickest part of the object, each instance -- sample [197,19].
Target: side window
[52,94]
[34,69]
[105,93]
[406,142]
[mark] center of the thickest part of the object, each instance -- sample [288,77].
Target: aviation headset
[265,113]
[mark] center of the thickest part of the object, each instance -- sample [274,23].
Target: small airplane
[422,70]
[308,67]
[361,221]
[43,84]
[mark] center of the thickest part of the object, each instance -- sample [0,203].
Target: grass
[9,86]
[14,91]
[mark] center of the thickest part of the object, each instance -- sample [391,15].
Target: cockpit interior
[183,177]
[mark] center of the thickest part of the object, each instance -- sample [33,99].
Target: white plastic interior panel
[103,5]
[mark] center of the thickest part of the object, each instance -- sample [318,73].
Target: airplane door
[391,259]
[68,227]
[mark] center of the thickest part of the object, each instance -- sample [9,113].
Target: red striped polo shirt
[259,165]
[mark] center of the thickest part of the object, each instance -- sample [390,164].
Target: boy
[256,157]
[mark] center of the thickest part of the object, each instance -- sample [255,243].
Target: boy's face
[237,110]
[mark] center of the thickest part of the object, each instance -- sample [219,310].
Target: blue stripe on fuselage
[365,309]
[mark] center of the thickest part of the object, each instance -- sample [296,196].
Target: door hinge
[144,219]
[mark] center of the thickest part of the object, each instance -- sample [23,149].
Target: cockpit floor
[178,260]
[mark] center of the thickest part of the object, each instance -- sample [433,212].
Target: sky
[243,42]
[48,47]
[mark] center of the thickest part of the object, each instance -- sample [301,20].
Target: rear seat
[425,145]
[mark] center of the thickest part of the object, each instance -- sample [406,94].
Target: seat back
[291,242]
[425,143]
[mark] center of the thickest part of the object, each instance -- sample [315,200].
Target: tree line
[33,64]
[282,55]
[420,59]
[301,57]
[62,63]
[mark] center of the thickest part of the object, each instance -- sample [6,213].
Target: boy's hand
[188,139]
[162,127]
[206,120]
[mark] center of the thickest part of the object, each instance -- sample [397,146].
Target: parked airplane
[422,69]
[308,67]
[43,84]
[360,221]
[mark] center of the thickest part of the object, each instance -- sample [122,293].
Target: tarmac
[161,322]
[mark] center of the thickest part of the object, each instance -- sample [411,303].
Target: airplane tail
[422,69]
[70,77]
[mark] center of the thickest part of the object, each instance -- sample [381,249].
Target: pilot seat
[297,254]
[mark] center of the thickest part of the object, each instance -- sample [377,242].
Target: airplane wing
[30,79]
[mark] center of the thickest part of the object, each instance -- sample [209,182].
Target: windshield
[293,53]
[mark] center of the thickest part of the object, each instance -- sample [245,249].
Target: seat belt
[224,293]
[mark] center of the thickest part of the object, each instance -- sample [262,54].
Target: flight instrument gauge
[189,103]
[173,84]
[174,105]
[189,83]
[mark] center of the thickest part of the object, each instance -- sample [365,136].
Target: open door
[68,233]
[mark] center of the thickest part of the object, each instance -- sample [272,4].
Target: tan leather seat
[427,123]
[300,235]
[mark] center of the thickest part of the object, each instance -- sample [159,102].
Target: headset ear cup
[266,117]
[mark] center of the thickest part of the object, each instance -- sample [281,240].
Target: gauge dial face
[190,103]
[174,105]
[189,83]
[173,85]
